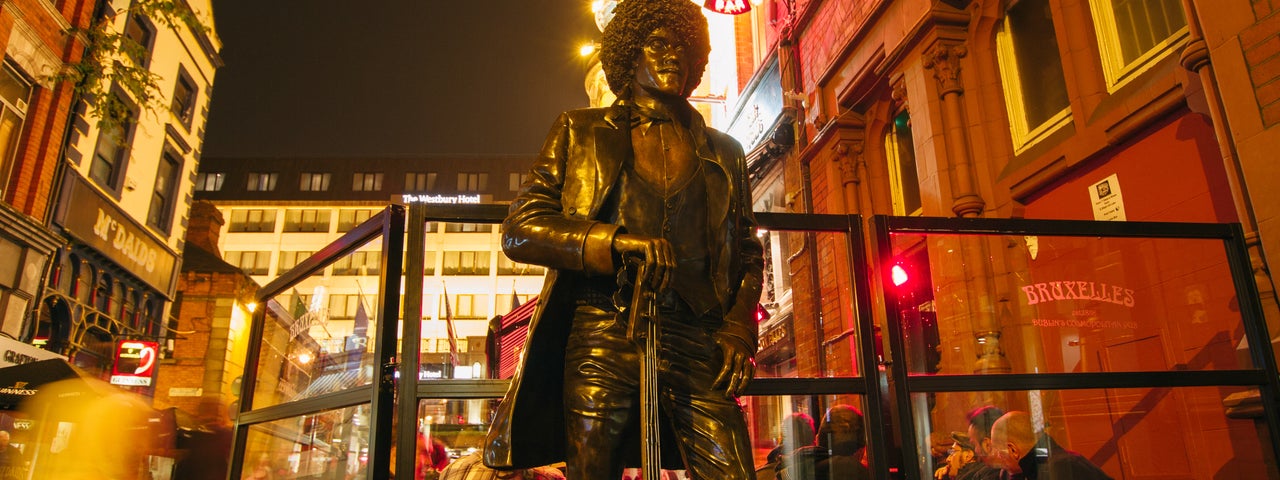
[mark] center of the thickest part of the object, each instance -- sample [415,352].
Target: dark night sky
[306,78]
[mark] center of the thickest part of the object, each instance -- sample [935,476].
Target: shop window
[1035,90]
[900,152]
[1133,34]
[306,220]
[164,195]
[262,182]
[252,220]
[210,182]
[473,182]
[466,263]
[358,263]
[14,93]
[185,93]
[419,182]
[140,35]
[252,262]
[314,182]
[290,259]
[111,153]
[366,182]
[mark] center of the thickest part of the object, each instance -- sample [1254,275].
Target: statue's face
[663,66]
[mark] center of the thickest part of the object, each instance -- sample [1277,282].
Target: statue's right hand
[656,252]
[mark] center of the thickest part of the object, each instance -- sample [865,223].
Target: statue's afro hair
[632,23]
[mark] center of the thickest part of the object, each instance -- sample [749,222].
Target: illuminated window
[344,306]
[262,182]
[473,182]
[516,180]
[314,182]
[507,266]
[900,151]
[419,182]
[466,305]
[163,196]
[209,182]
[358,263]
[306,220]
[252,220]
[14,93]
[467,227]
[1035,91]
[1133,34]
[290,259]
[466,263]
[348,219]
[253,263]
[366,182]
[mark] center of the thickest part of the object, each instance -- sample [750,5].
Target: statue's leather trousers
[602,395]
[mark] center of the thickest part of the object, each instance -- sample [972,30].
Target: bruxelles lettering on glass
[1078,290]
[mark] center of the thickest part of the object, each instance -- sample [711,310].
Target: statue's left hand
[739,365]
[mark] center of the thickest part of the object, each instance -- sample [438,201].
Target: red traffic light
[899,275]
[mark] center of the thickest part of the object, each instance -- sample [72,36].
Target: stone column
[944,60]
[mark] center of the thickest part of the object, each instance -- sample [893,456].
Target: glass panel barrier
[1061,304]
[1184,433]
[329,444]
[317,336]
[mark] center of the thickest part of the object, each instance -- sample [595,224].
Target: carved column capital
[944,60]
[1196,55]
[848,155]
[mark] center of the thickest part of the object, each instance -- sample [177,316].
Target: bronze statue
[644,177]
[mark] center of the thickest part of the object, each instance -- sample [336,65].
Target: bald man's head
[1012,436]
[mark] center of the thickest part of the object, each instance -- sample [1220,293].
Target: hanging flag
[357,343]
[299,307]
[515,299]
[448,324]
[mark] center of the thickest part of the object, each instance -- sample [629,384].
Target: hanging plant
[113,60]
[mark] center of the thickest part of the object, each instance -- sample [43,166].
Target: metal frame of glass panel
[892,446]
[904,384]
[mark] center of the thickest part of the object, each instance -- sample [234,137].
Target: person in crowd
[795,432]
[839,453]
[469,467]
[433,456]
[983,467]
[1025,454]
[209,451]
[644,179]
[959,456]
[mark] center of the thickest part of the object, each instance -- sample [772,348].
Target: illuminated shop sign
[441,199]
[135,363]
[1078,290]
[102,225]
[759,111]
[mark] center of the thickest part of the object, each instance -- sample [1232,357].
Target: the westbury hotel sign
[102,225]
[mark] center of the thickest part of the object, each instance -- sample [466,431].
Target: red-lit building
[1040,109]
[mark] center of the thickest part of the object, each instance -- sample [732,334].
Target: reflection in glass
[1064,304]
[330,444]
[316,340]
[1128,433]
